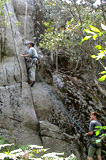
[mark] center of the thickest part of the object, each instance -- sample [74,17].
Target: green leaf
[95,36]
[41,45]
[104,127]
[93,56]
[98,127]
[103,72]
[85,39]
[103,26]
[100,34]
[98,141]
[102,78]
[104,134]
[88,31]
[94,29]
[72,20]
[97,133]
[18,23]
[100,55]
[98,47]
[37,151]
[46,24]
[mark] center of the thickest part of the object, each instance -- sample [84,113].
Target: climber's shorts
[92,150]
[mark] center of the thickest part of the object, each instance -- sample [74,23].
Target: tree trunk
[56,60]
[52,56]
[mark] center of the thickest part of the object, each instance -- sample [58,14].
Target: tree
[95,33]
[77,17]
[54,39]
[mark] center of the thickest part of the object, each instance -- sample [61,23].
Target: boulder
[58,141]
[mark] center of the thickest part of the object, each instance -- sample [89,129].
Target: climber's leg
[91,152]
[31,75]
[31,71]
[98,157]
[28,66]
[90,158]
[35,71]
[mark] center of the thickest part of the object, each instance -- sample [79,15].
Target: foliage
[98,129]
[18,23]
[60,26]
[2,17]
[55,39]
[95,33]
[65,22]
[12,151]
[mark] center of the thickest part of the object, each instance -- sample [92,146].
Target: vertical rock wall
[17,115]
[22,16]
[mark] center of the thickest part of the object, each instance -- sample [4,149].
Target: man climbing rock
[94,148]
[31,59]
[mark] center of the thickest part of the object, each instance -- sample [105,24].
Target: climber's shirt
[32,53]
[93,148]
[92,126]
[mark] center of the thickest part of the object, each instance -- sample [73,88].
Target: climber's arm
[89,133]
[26,55]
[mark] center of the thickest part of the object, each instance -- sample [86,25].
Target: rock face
[52,125]
[24,13]
[17,114]
[29,114]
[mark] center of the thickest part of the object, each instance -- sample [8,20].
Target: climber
[31,59]
[93,146]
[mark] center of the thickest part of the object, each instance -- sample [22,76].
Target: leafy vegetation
[3,21]
[95,32]
[15,152]
[65,22]
[54,39]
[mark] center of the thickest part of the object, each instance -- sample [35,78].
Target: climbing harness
[25,22]
[57,101]
[93,142]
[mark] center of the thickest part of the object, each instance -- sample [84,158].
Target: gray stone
[20,10]
[53,138]
[17,115]
[51,130]
[42,101]
[58,80]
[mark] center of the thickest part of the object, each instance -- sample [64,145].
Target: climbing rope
[57,101]
[25,22]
